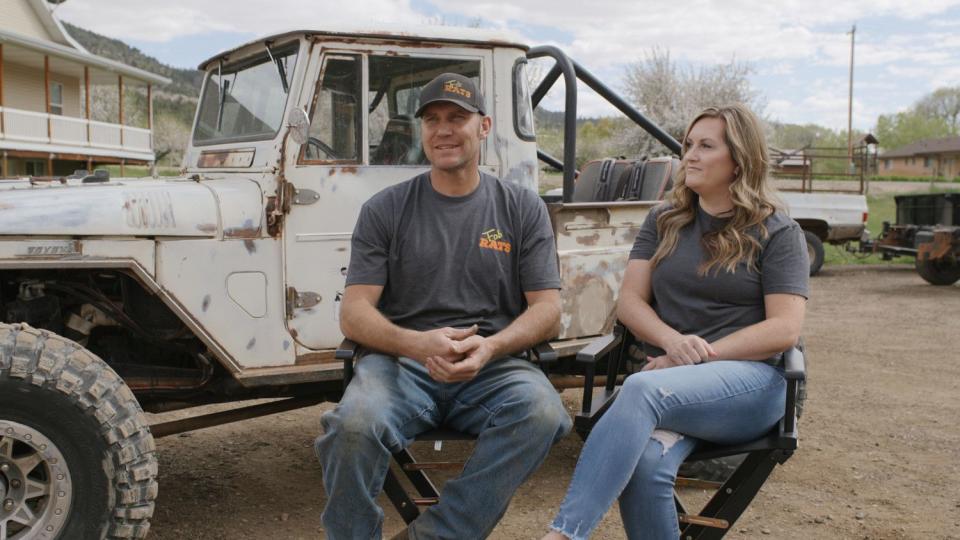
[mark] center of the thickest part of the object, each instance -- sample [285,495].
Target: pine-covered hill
[185,82]
[173,104]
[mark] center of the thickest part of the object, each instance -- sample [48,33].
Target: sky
[799,50]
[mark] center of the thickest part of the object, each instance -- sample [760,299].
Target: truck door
[363,138]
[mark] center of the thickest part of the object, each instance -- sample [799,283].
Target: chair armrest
[544,353]
[347,350]
[794,365]
[795,372]
[599,347]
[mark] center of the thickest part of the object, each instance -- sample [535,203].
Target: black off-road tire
[945,271]
[815,251]
[67,410]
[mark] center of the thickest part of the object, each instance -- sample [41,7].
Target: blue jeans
[634,451]
[510,405]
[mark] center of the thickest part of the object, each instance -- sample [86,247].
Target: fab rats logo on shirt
[493,239]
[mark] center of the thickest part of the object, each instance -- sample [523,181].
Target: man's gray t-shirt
[454,261]
[720,303]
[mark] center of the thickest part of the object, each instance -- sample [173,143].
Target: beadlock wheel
[35,487]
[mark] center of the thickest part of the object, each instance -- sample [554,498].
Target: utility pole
[853,32]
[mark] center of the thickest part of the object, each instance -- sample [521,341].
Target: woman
[716,286]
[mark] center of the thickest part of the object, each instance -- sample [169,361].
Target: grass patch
[918,179]
[138,171]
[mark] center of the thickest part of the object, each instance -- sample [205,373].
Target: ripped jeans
[510,405]
[634,451]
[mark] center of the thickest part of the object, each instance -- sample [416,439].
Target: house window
[34,167]
[886,164]
[56,98]
[926,162]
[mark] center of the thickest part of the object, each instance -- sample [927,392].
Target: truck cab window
[395,83]
[245,101]
[336,115]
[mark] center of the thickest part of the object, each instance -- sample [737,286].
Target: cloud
[148,20]
[792,42]
[825,104]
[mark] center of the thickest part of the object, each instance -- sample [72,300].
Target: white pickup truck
[835,218]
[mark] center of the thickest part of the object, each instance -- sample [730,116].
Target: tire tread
[58,364]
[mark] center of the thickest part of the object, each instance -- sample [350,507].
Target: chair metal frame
[415,471]
[733,496]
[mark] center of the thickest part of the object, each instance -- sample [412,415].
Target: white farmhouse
[48,85]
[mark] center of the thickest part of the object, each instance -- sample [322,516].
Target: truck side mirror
[299,124]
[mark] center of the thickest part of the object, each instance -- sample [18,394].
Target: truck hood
[126,207]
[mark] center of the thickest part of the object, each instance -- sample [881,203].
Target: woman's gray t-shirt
[720,303]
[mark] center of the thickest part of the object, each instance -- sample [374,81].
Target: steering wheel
[321,147]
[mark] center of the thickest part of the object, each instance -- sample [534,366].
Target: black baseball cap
[453,88]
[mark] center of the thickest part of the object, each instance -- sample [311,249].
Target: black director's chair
[733,495]
[417,472]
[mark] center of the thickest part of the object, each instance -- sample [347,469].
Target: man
[451,272]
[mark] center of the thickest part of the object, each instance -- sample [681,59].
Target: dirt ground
[879,452]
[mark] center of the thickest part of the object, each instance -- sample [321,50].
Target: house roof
[925,147]
[868,139]
[79,56]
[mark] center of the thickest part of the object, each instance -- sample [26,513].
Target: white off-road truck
[119,296]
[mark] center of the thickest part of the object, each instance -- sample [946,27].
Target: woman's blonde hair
[753,198]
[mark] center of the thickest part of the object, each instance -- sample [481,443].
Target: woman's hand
[660,362]
[688,349]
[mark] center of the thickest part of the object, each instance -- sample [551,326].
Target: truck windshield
[245,101]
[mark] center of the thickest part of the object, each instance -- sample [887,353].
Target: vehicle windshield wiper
[281,69]
[223,94]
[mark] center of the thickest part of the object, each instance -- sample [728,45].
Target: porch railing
[38,127]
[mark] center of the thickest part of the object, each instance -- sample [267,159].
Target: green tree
[943,104]
[903,128]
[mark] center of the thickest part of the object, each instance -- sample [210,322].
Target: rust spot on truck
[321,357]
[589,300]
[385,40]
[209,228]
[588,239]
[247,230]
[149,211]
[348,170]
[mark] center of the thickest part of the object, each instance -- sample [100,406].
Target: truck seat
[400,144]
[626,179]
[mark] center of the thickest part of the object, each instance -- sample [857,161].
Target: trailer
[928,229]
